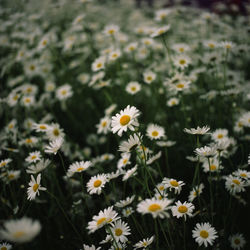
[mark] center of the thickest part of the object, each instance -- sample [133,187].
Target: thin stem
[113,237]
[211,191]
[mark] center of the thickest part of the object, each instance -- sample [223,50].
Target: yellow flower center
[104,124]
[161,188]
[154,207]
[32,67]
[15,97]
[213,167]
[149,78]
[3,164]
[118,232]
[28,140]
[243,175]
[18,234]
[182,61]
[29,90]
[220,136]
[99,65]
[11,126]
[228,46]
[182,209]
[237,182]
[173,102]
[100,221]
[133,89]
[180,86]
[174,183]
[181,49]
[211,45]
[204,234]
[27,100]
[155,133]
[111,32]
[42,127]
[97,183]
[80,169]
[11,176]
[237,241]
[56,132]
[3,248]
[33,157]
[125,161]
[35,187]
[64,92]
[44,42]
[124,120]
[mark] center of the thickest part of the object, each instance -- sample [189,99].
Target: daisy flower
[155,132]
[98,64]
[13,175]
[173,184]
[197,190]
[181,47]
[40,127]
[120,230]
[54,132]
[133,87]
[131,172]
[132,143]
[111,30]
[33,157]
[124,160]
[155,207]
[108,216]
[78,167]
[161,15]
[5,162]
[182,61]
[154,158]
[160,31]
[34,187]
[30,141]
[27,101]
[20,230]
[126,202]
[96,183]
[144,243]
[219,134]
[234,184]
[38,167]
[227,45]
[215,165]
[237,241]
[86,247]
[181,85]
[126,212]
[54,146]
[5,246]
[64,92]
[149,77]
[205,151]
[204,233]
[113,55]
[131,47]
[173,102]
[126,119]
[210,44]
[104,126]
[244,174]
[182,209]
[197,131]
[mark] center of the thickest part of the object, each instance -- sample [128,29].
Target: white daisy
[120,230]
[173,102]
[132,143]
[204,233]
[149,76]
[124,160]
[126,212]
[96,183]
[98,64]
[144,243]
[54,146]
[237,241]
[54,132]
[126,202]
[111,30]
[126,119]
[129,173]
[155,132]
[108,216]
[103,127]
[219,134]
[155,207]
[5,246]
[182,209]
[234,184]
[182,61]
[197,131]
[197,190]
[34,187]
[33,157]
[38,167]
[173,184]
[205,151]
[40,127]
[5,162]
[64,92]
[133,87]
[13,175]
[160,31]
[78,167]
[20,230]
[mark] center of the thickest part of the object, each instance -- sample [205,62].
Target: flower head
[34,187]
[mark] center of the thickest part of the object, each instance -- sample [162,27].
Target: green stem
[211,191]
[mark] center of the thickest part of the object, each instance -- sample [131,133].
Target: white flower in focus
[34,187]
[64,92]
[126,119]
